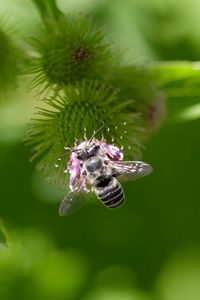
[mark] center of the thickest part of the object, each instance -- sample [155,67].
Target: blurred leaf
[3,239]
[180,278]
[117,294]
[181,83]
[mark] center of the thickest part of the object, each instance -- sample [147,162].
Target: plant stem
[48,10]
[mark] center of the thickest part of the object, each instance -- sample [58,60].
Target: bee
[95,166]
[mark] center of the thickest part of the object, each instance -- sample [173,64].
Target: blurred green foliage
[3,238]
[149,248]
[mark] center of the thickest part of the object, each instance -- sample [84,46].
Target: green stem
[48,10]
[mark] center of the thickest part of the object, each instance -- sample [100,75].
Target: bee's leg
[84,184]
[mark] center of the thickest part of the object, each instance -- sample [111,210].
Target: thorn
[85,131]
[75,142]
[66,148]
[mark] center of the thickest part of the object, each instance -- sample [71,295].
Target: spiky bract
[86,105]
[71,49]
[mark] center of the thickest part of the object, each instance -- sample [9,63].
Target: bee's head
[89,148]
[86,150]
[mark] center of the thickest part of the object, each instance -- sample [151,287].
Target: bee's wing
[130,169]
[72,201]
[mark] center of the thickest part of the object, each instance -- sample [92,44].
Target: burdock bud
[73,117]
[69,50]
[155,112]
[139,84]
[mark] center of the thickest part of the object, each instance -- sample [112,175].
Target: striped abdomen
[109,191]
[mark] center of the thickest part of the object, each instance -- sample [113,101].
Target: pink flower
[112,152]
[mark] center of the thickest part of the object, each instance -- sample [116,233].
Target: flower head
[70,50]
[81,111]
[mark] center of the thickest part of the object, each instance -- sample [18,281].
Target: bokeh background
[150,247]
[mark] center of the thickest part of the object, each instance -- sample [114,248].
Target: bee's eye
[81,155]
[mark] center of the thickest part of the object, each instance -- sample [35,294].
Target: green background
[150,247]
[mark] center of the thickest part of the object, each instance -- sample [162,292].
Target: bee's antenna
[61,156]
[96,133]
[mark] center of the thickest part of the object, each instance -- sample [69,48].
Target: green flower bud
[138,84]
[154,113]
[70,50]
